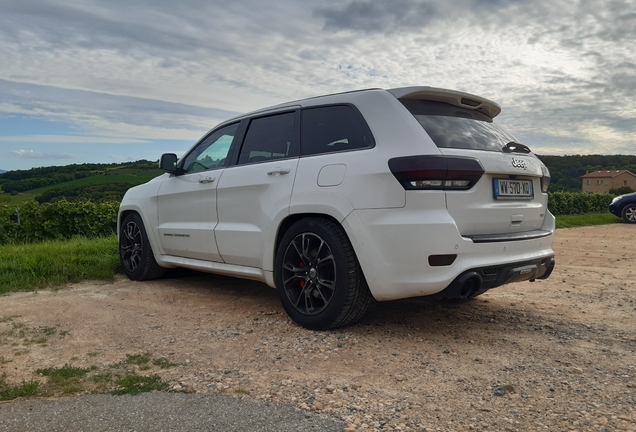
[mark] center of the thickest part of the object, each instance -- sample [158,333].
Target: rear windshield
[453,127]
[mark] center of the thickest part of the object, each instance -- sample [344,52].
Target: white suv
[335,200]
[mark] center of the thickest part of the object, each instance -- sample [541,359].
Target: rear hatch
[507,198]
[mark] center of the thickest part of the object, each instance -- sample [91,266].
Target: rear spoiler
[456,98]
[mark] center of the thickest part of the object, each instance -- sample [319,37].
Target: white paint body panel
[186,212]
[251,205]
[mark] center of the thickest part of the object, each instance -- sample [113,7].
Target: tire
[318,278]
[629,213]
[135,252]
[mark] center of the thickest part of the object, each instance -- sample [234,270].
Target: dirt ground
[554,355]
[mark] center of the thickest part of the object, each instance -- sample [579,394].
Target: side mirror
[168,162]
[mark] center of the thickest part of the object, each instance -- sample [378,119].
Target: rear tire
[135,252]
[318,278]
[629,213]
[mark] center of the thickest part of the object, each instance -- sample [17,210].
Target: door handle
[207,180]
[279,171]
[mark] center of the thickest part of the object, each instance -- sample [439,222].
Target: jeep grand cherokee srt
[338,199]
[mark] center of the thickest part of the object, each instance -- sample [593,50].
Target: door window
[268,138]
[211,153]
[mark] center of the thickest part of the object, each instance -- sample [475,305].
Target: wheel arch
[290,220]
[129,208]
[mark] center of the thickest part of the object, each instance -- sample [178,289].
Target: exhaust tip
[549,267]
[469,288]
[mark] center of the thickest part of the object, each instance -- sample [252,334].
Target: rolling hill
[83,181]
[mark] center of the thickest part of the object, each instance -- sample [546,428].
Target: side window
[333,129]
[268,138]
[212,151]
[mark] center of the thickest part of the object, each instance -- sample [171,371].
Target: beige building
[603,181]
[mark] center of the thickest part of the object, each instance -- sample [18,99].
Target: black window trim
[357,113]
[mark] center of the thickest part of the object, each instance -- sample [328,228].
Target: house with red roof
[603,181]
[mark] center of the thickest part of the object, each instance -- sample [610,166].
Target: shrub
[621,190]
[573,203]
[60,220]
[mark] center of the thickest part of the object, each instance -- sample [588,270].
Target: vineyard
[32,221]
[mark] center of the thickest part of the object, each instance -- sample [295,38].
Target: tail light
[436,172]
[545,179]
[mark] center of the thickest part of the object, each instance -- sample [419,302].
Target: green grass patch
[163,363]
[137,359]
[9,392]
[64,373]
[118,378]
[134,384]
[592,219]
[29,267]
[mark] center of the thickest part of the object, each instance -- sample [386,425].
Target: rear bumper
[474,281]
[394,247]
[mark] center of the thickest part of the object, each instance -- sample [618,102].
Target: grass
[592,219]
[29,267]
[163,363]
[116,379]
[9,392]
[63,374]
[134,384]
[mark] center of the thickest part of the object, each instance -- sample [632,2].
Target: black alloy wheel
[130,246]
[318,278]
[135,252]
[309,273]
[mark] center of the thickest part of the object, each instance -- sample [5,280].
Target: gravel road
[553,355]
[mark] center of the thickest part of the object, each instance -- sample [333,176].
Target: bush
[573,203]
[621,190]
[60,220]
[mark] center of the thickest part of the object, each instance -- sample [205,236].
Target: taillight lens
[436,172]
[545,179]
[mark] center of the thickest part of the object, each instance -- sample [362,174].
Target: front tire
[318,278]
[629,213]
[135,252]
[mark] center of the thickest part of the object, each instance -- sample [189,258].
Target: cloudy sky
[118,80]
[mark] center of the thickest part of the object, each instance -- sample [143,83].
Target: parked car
[624,206]
[341,199]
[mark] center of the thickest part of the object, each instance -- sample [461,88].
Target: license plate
[513,189]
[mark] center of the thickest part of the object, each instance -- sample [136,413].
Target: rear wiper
[513,147]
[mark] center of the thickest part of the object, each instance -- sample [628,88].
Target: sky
[119,80]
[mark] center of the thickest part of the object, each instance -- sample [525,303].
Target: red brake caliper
[302,282]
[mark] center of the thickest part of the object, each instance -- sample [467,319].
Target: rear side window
[333,129]
[268,138]
[454,127]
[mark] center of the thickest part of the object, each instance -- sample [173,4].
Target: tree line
[566,171]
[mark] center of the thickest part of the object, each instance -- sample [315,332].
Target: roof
[606,174]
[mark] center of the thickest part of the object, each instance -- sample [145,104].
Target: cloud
[30,154]
[69,139]
[147,70]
